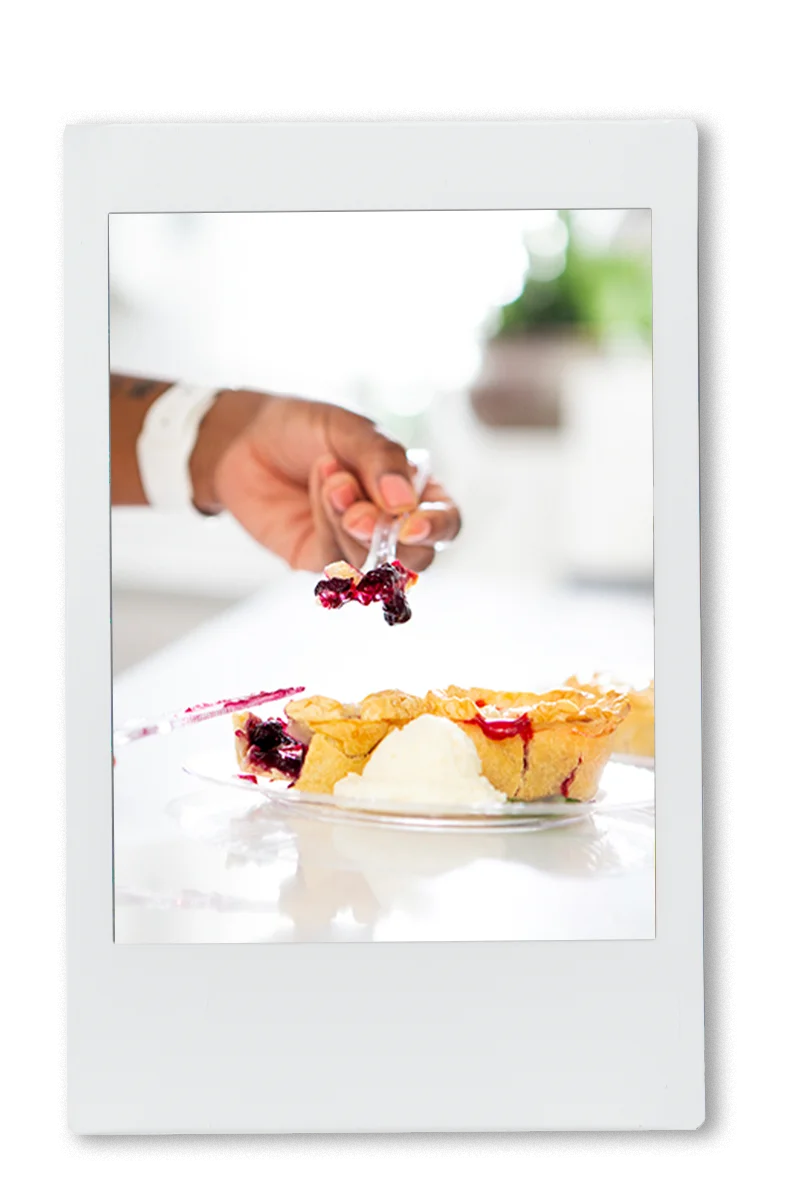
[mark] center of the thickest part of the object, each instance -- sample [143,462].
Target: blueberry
[267,735]
[338,586]
[397,610]
[379,579]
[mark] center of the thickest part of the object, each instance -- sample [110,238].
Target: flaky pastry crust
[636,734]
[591,714]
[563,738]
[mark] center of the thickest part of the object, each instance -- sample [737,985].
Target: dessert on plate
[527,745]
[636,734]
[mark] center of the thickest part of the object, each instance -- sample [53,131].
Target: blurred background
[516,346]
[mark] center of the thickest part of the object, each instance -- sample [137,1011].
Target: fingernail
[397,491]
[342,497]
[362,529]
[416,529]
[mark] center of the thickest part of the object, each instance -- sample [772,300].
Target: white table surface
[193,865]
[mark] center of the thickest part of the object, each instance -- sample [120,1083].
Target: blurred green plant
[598,295]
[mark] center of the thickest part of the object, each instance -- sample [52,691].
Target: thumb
[379,463]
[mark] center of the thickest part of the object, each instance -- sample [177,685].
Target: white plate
[632,787]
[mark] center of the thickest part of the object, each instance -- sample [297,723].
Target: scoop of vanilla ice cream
[429,765]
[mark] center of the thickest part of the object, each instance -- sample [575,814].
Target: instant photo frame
[394,1037]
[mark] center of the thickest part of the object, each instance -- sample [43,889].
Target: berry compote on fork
[386,583]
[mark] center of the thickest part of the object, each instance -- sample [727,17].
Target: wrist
[227,418]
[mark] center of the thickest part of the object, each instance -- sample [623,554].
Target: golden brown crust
[354,736]
[308,710]
[563,762]
[393,706]
[592,714]
[326,764]
[602,684]
[569,746]
[562,705]
[636,733]
[502,762]
[240,738]
[452,703]
[342,570]
[561,749]
[356,728]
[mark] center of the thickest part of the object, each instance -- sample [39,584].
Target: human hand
[309,481]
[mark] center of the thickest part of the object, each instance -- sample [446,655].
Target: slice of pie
[531,745]
[561,743]
[636,734]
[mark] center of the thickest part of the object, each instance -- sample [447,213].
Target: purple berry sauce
[386,584]
[271,747]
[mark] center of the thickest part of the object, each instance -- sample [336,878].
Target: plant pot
[520,380]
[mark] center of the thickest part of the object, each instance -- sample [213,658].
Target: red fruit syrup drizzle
[500,730]
[215,708]
[497,730]
[387,583]
[195,713]
[570,780]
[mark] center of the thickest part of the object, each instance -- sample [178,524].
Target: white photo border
[389,1037]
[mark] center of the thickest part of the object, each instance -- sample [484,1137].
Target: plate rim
[527,815]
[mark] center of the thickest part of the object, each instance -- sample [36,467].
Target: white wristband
[165,446]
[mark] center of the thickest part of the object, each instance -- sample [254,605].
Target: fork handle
[383,547]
